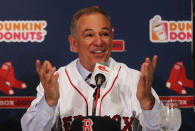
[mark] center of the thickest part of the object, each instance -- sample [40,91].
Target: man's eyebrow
[106,28]
[86,30]
[103,28]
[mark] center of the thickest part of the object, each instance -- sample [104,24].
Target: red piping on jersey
[77,90]
[109,90]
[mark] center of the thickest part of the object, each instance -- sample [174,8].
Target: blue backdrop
[39,29]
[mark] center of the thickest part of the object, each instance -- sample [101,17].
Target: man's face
[93,41]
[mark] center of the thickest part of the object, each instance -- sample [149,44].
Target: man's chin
[100,61]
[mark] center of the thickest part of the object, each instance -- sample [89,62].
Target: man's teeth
[99,51]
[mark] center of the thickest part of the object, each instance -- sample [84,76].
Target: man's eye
[105,34]
[89,35]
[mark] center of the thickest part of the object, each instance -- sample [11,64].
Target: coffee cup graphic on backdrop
[158,28]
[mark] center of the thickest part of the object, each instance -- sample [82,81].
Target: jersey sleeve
[147,118]
[39,116]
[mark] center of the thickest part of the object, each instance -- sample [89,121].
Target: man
[64,95]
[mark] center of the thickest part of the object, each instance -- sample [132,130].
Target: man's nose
[98,40]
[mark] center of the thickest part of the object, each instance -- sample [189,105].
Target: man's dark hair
[85,11]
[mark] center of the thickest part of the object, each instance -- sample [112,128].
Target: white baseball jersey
[117,99]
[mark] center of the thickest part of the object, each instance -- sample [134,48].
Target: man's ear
[73,44]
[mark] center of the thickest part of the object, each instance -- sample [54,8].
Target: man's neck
[82,70]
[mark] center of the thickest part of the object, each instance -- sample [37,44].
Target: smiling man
[92,39]
[64,95]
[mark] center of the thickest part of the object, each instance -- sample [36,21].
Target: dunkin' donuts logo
[170,31]
[22,31]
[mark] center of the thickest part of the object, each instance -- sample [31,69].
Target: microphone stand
[96,96]
[99,78]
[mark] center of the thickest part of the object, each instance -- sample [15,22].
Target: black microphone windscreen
[99,78]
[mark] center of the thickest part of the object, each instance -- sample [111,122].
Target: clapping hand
[144,94]
[49,81]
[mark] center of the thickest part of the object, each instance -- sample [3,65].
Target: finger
[38,66]
[42,72]
[142,67]
[48,67]
[47,71]
[147,71]
[154,61]
[147,60]
[44,68]
[145,68]
[50,74]
[56,76]
[54,79]
[142,80]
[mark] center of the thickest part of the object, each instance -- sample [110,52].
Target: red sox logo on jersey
[87,123]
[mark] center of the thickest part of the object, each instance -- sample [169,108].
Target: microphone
[99,79]
[100,75]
